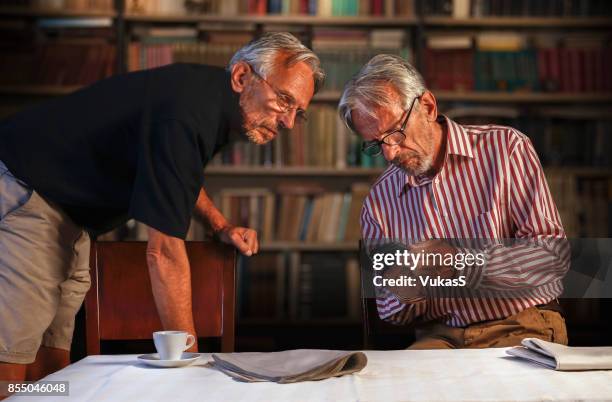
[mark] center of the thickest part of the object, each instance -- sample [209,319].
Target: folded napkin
[564,358]
[289,366]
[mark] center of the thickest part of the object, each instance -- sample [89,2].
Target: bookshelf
[293,171]
[38,12]
[179,36]
[276,20]
[41,90]
[518,22]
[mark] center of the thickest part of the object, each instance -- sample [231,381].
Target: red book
[599,70]
[377,7]
[262,7]
[606,62]
[565,69]
[303,6]
[588,73]
[543,69]
[554,69]
[577,72]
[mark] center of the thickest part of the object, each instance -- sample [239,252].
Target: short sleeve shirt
[130,146]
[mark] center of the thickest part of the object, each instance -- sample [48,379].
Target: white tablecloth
[428,375]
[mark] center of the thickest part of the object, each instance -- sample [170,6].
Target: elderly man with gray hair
[455,191]
[133,146]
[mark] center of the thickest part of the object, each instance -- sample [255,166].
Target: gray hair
[367,88]
[261,55]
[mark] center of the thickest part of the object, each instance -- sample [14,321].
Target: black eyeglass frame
[374,147]
[285,102]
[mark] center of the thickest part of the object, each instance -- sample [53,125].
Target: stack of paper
[564,358]
[289,366]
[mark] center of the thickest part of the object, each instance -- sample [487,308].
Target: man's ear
[240,75]
[429,105]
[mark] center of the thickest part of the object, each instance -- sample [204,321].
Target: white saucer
[152,359]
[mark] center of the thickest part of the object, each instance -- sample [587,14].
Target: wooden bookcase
[267,332]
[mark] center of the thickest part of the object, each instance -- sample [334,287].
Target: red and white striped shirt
[490,186]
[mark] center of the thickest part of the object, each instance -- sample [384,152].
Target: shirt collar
[458,143]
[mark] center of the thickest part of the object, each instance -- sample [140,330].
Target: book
[561,357]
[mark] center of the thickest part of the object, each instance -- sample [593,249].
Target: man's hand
[244,239]
[431,248]
[404,293]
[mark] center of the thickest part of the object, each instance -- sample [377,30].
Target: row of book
[296,212]
[75,5]
[54,64]
[144,56]
[322,8]
[322,141]
[344,52]
[509,62]
[531,8]
[584,204]
[310,215]
[293,286]
[158,46]
[561,136]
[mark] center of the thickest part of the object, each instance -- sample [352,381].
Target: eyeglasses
[284,102]
[395,137]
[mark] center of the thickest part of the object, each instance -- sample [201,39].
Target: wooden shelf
[50,13]
[327,96]
[522,97]
[305,246]
[42,90]
[315,322]
[520,22]
[581,171]
[498,97]
[290,171]
[334,96]
[274,19]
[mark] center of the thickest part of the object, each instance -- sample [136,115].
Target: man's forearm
[207,210]
[171,284]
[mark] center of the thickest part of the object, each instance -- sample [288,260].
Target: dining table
[392,375]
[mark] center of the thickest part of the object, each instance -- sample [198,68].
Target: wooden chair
[120,305]
[378,334]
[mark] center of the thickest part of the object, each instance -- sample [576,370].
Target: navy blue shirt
[129,146]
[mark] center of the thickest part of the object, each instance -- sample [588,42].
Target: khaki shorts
[44,272]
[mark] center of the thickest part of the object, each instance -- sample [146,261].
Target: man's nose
[287,120]
[389,151]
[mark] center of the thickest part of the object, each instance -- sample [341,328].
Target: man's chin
[258,137]
[413,169]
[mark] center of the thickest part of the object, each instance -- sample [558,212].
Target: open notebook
[289,366]
[564,358]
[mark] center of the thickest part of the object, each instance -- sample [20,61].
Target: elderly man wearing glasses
[452,192]
[131,146]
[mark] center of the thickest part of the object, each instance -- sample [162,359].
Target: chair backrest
[120,304]
[378,334]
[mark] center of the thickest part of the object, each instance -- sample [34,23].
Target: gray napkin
[289,366]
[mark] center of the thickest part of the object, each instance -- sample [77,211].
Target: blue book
[312,7]
[306,219]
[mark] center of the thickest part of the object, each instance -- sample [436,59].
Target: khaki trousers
[44,272]
[530,323]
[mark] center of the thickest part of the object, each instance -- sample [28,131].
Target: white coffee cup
[171,344]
